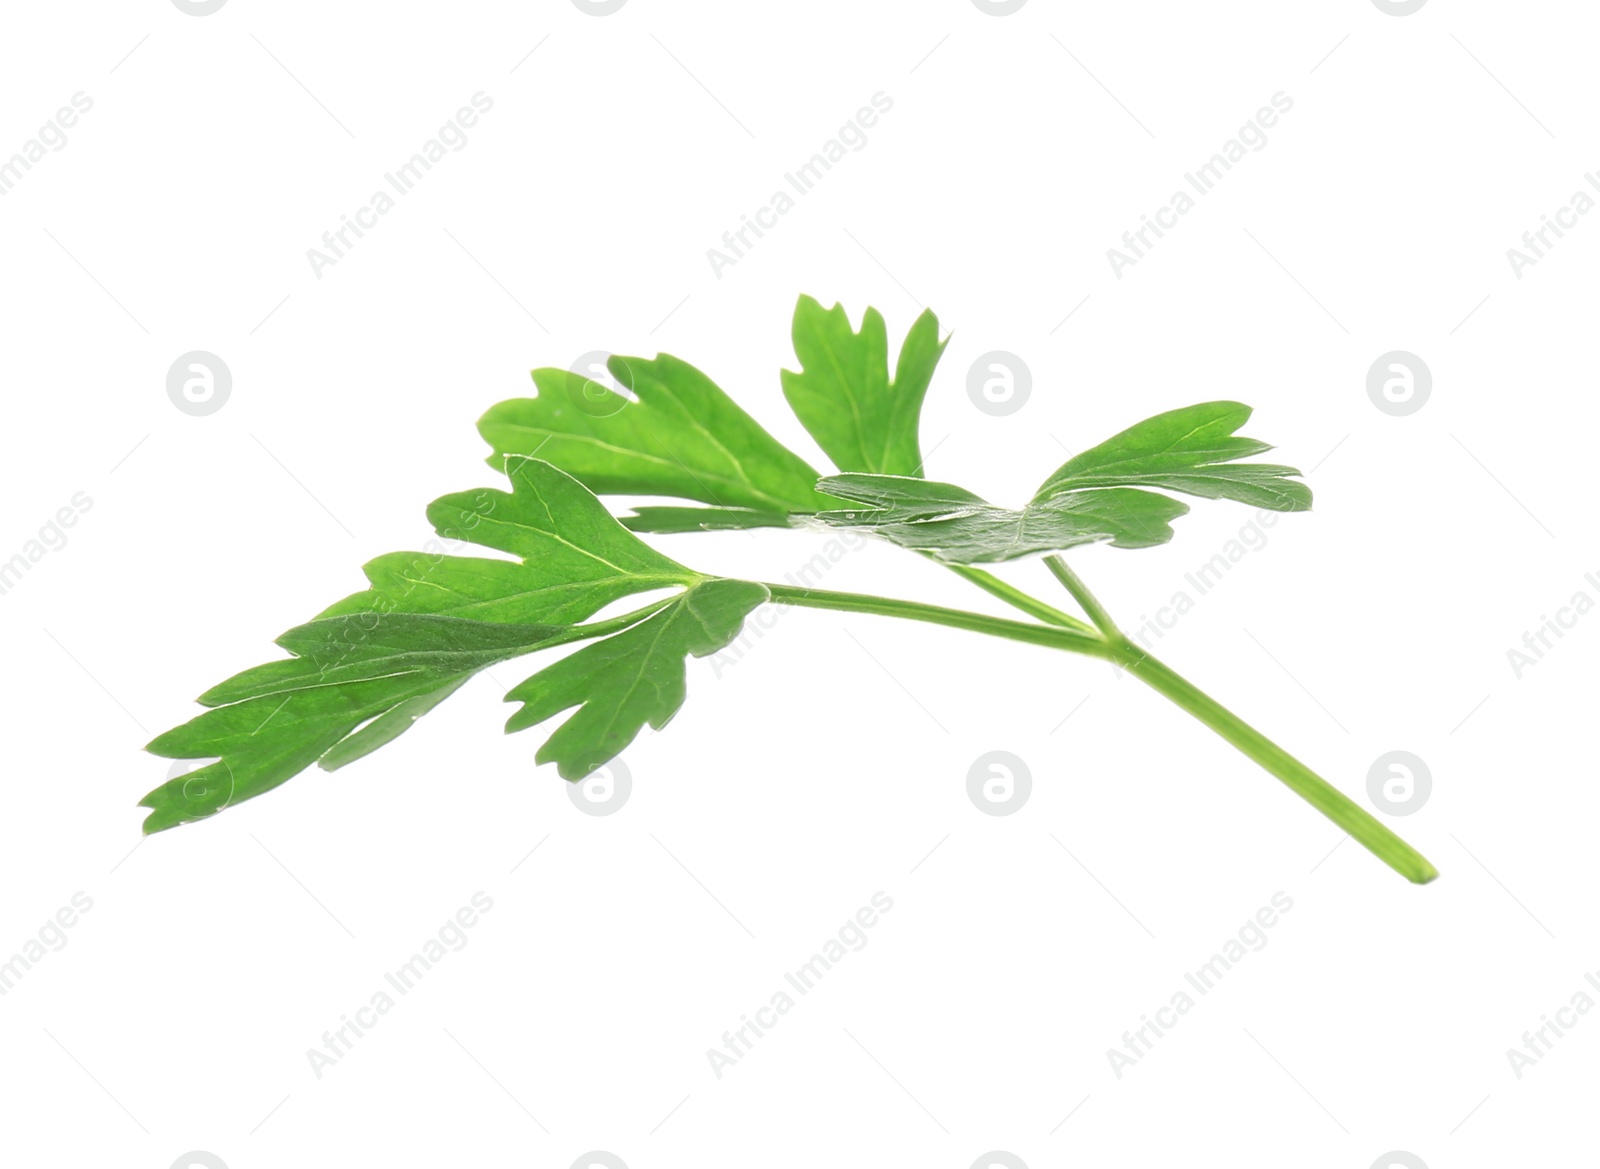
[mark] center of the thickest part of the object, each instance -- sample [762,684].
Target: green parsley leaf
[679,435]
[956,526]
[575,557]
[1096,496]
[372,664]
[630,679]
[1192,450]
[843,394]
[271,722]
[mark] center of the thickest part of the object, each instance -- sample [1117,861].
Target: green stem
[1367,831]
[1054,636]
[1014,596]
[1112,646]
[1080,593]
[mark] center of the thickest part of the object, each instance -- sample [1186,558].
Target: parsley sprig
[365,669]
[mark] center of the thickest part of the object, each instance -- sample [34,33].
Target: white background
[832,759]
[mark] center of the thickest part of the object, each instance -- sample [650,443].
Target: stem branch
[1362,826]
[1080,593]
[1111,645]
[1054,636]
[1015,597]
